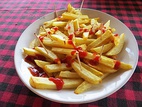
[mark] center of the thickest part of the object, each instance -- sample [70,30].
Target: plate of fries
[76,56]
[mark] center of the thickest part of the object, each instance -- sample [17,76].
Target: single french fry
[85,74]
[125,66]
[58,38]
[53,43]
[68,74]
[106,48]
[103,68]
[71,9]
[68,51]
[43,34]
[83,46]
[70,27]
[58,32]
[41,63]
[94,71]
[76,24]
[107,24]
[31,52]
[117,48]
[84,86]
[93,21]
[71,16]
[100,40]
[34,43]
[83,20]
[45,83]
[63,51]
[56,67]
[41,29]
[80,41]
[48,54]
[59,23]
[48,24]
[99,33]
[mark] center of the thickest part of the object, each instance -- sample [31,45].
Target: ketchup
[69,27]
[57,60]
[116,35]
[70,36]
[58,81]
[36,71]
[73,52]
[96,59]
[91,32]
[41,38]
[30,59]
[70,41]
[55,28]
[117,64]
[82,53]
[80,29]
[68,60]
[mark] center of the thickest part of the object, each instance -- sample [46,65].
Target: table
[16,15]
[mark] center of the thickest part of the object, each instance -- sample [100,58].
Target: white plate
[109,85]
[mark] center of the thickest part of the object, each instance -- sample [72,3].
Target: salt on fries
[74,51]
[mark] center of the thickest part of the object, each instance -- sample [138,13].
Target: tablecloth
[17,15]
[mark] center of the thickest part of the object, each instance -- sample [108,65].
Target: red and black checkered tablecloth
[16,15]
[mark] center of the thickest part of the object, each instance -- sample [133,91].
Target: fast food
[75,44]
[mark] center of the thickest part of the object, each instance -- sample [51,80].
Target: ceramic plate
[109,85]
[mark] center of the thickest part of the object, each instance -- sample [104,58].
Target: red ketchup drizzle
[58,81]
[91,32]
[30,59]
[49,32]
[86,30]
[69,27]
[41,38]
[96,59]
[70,36]
[36,71]
[70,40]
[117,64]
[116,35]
[57,60]
[80,29]
[103,30]
[68,60]
[82,53]
[73,52]
[55,28]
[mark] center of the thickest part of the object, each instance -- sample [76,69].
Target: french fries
[77,52]
[45,83]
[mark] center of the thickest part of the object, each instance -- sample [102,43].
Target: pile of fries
[77,52]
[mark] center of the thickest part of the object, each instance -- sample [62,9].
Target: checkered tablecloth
[16,15]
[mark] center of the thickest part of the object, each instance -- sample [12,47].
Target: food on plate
[74,51]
